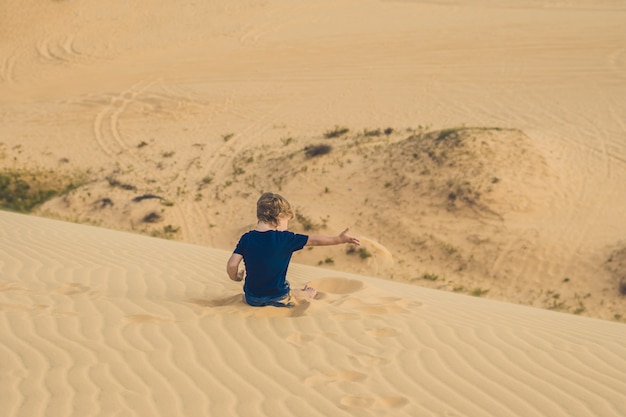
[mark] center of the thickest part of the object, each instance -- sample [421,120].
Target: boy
[266,252]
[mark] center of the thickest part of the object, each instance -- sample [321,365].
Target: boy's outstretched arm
[323,240]
[232,267]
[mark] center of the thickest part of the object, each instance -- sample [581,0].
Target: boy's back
[266,256]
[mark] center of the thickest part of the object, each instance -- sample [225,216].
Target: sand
[484,155]
[97,322]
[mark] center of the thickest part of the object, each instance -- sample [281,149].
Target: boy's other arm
[232,267]
[323,240]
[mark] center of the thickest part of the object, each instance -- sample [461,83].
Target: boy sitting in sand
[266,252]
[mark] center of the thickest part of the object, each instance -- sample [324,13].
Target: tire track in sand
[259,124]
[109,138]
[190,208]
[107,131]
[60,51]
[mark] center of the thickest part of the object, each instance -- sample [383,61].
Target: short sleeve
[241,246]
[299,241]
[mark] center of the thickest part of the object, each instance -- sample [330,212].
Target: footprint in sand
[325,378]
[336,285]
[73,289]
[372,402]
[382,332]
[373,306]
[378,306]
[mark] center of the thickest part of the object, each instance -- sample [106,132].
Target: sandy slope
[206,104]
[97,323]
[146,93]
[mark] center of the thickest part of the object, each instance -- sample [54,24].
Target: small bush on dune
[430,276]
[372,133]
[152,217]
[449,136]
[478,292]
[364,253]
[115,183]
[317,150]
[617,266]
[336,132]
[146,197]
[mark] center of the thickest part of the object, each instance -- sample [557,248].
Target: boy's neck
[264,227]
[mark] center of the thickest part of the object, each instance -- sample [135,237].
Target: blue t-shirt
[267,256]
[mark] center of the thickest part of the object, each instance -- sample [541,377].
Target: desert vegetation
[616,264]
[336,132]
[23,190]
[312,151]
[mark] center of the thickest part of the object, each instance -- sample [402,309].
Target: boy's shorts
[282,301]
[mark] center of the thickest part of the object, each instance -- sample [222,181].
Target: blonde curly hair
[270,206]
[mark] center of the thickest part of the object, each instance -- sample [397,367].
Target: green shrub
[23,191]
[317,150]
[478,292]
[430,277]
[336,132]
[364,253]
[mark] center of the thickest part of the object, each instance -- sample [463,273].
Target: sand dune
[97,322]
[206,105]
[483,154]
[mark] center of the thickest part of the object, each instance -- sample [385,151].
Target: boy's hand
[325,240]
[232,267]
[346,238]
[240,275]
